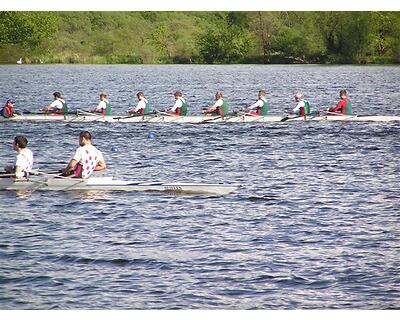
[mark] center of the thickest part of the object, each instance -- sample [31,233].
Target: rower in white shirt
[24,162]
[259,108]
[104,106]
[58,105]
[86,160]
[180,107]
[303,106]
[219,108]
[142,107]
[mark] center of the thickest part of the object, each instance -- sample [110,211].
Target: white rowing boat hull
[57,118]
[109,184]
[193,119]
[248,119]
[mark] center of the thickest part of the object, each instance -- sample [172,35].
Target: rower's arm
[19,172]
[70,167]
[338,107]
[101,165]
[299,105]
[255,105]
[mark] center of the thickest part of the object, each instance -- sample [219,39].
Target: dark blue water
[316,226]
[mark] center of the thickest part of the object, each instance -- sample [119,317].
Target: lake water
[316,225]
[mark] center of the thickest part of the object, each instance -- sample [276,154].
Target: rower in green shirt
[220,107]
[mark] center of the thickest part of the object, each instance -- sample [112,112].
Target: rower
[87,158]
[8,110]
[344,106]
[142,107]
[104,106]
[220,107]
[261,107]
[180,107]
[303,106]
[57,106]
[23,164]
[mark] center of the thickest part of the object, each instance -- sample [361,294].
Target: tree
[224,42]
[27,29]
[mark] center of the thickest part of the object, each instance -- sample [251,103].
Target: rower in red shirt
[344,106]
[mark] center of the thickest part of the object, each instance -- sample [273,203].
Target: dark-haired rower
[57,106]
[86,160]
[23,164]
[104,106]
[143,105]
[344,106]
[8,110]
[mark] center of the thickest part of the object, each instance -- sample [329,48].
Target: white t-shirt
[57,104]
[178,104]
[217,104]
[88,157]
[259,103]
[141,105]
[299,105]
[24,161]
[102,105]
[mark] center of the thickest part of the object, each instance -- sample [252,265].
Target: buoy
[151,135]
[19,61]
[114,149]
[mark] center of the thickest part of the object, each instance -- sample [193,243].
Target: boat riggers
[50,182]
[161,117]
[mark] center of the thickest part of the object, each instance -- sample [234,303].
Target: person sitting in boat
[8,110]
[180,107]
[23,164]
[86,160]
[303,106]
[57,106]
[104,106]
[344,106]
[142,107]
[260,107]
[220,107]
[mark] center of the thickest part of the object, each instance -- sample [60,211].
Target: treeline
[200,37]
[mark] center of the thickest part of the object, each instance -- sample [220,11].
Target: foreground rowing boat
[162,118]
[109,184]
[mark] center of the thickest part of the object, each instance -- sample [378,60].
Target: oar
[7,174]
[131,116]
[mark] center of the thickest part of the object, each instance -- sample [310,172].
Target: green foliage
[225,42]
[200,37]
[27,29]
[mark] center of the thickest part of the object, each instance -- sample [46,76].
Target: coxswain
[303,106]
[23,164]
[142,107]
[57,106]
[104,106]
[180,107]
[86,160]
[259,108]
[344,106]
[220,107]
[8,110]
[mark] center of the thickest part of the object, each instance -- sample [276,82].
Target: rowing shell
[109,184]
[193,119]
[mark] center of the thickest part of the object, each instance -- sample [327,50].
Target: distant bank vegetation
[200,37]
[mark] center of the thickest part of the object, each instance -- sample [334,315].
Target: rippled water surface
[316,225]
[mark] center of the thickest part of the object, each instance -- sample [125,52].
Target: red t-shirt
[341,106]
